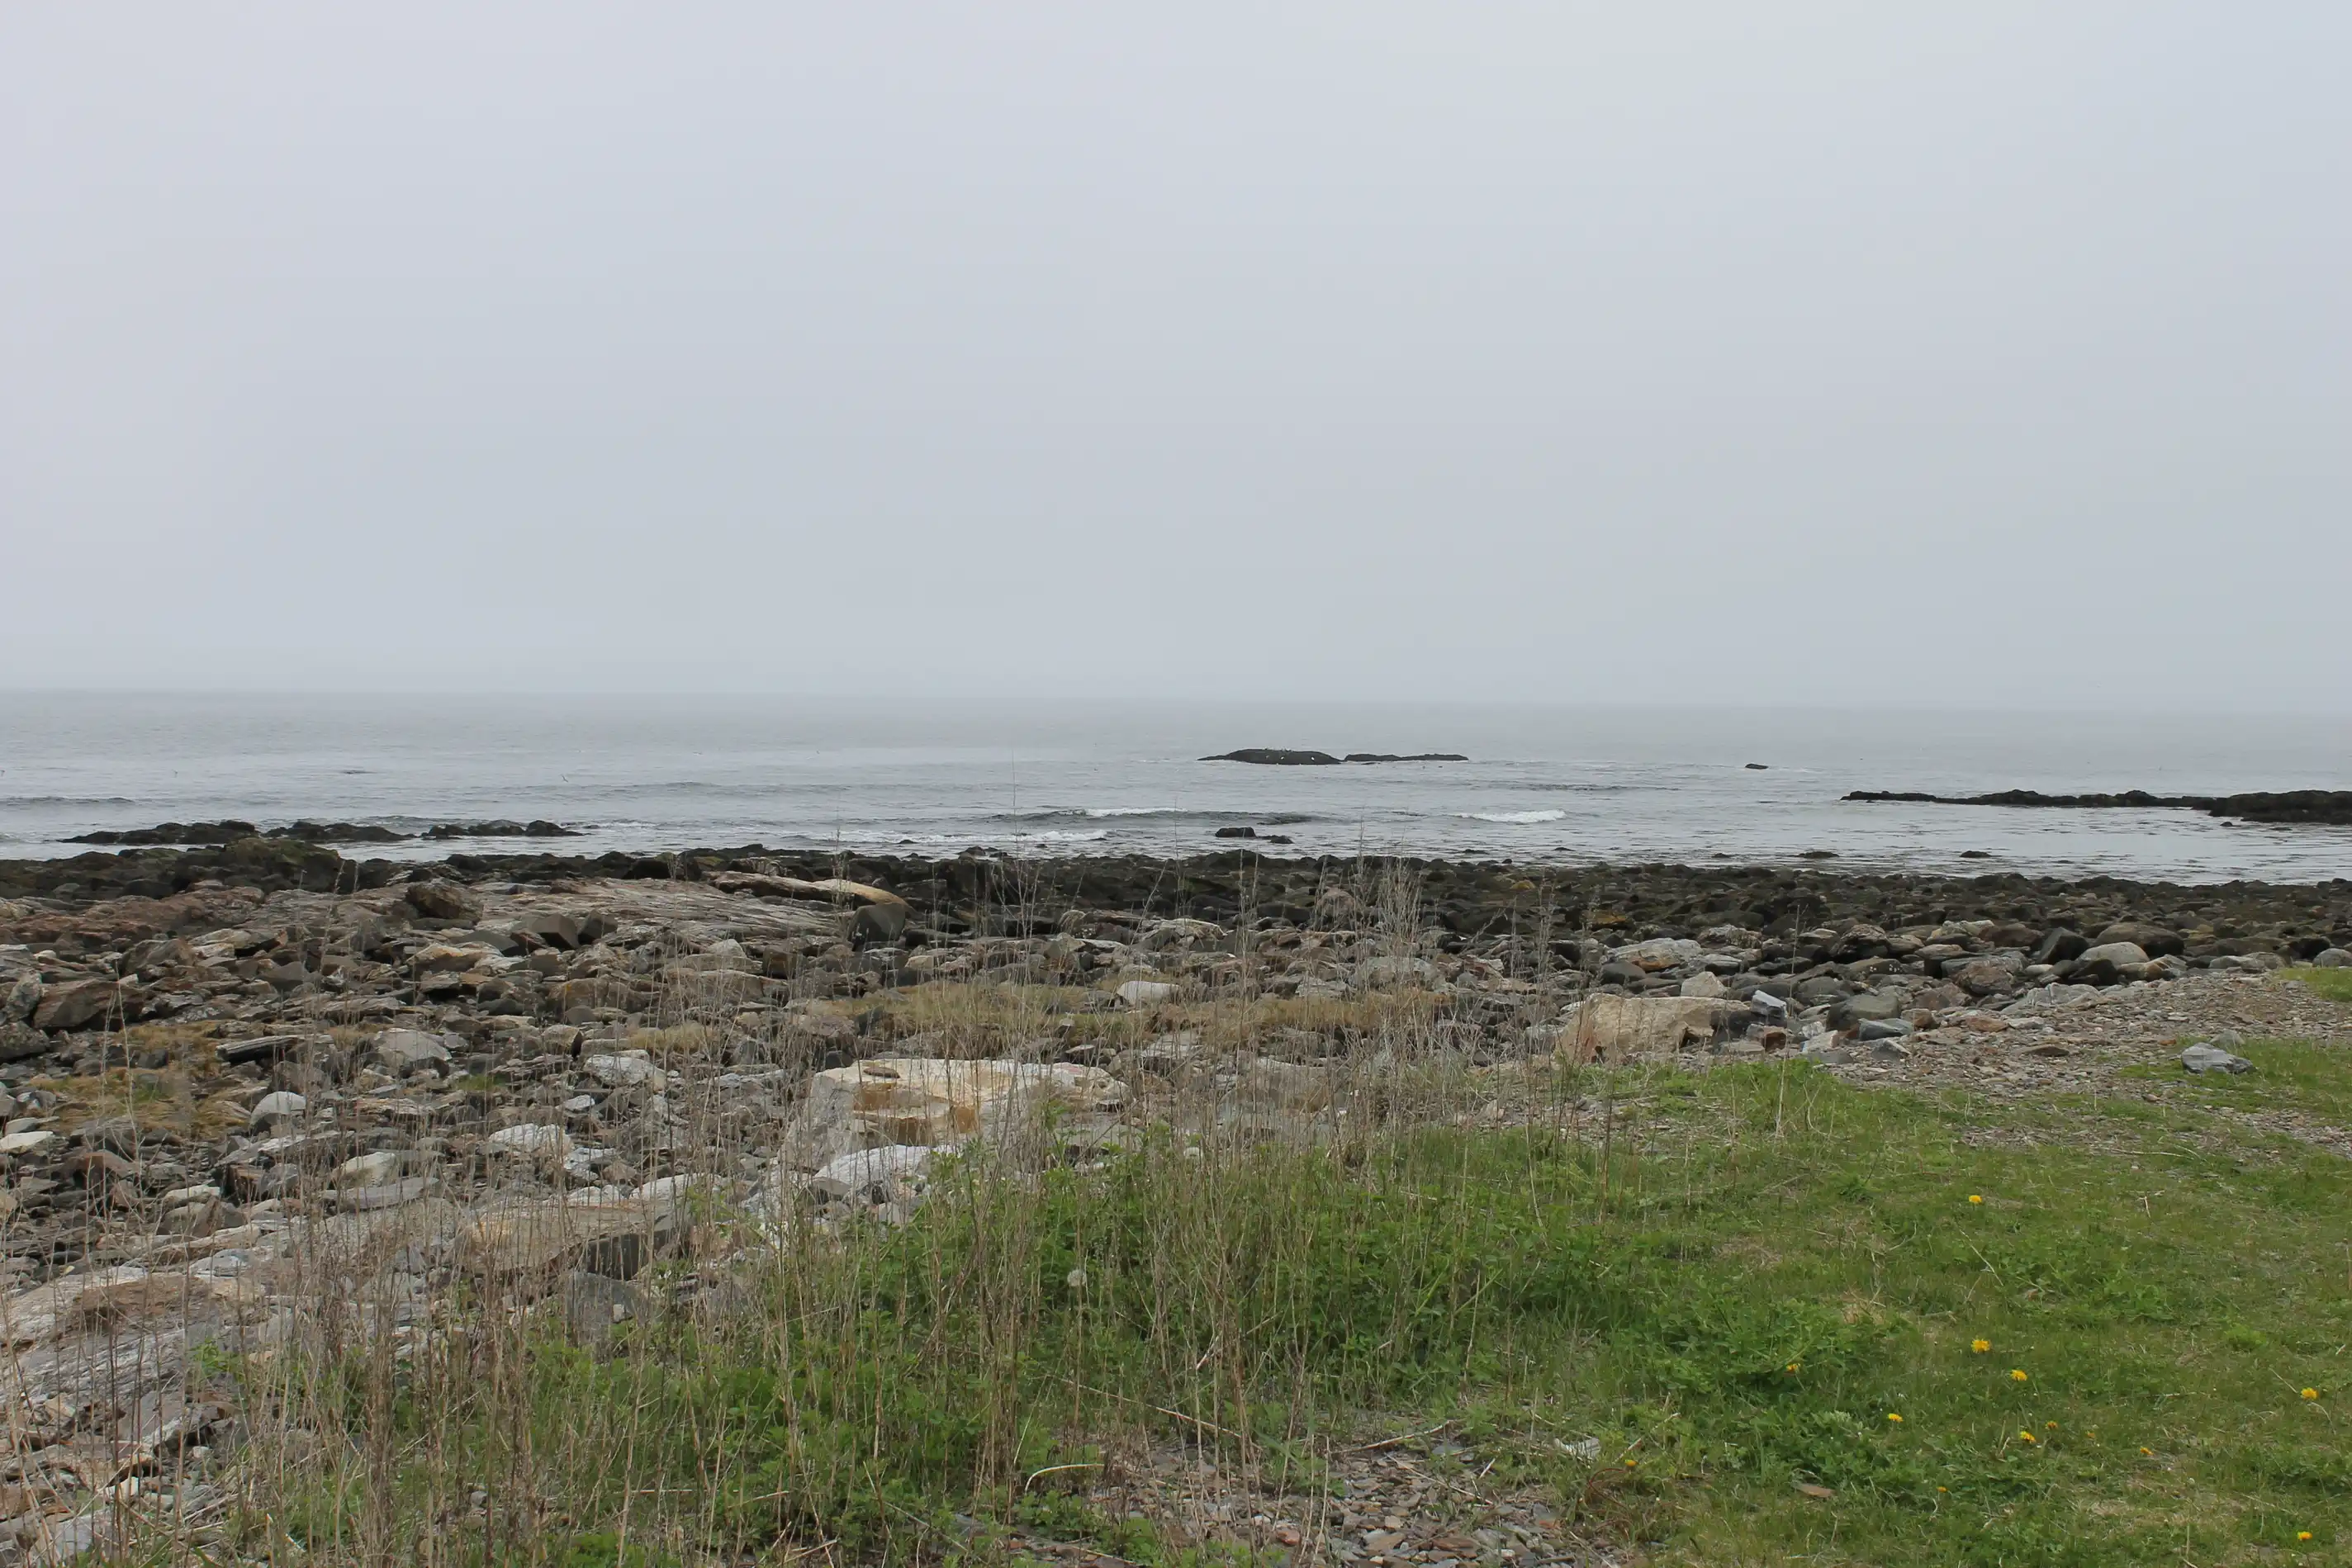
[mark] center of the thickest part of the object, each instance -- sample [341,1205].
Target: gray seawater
[1568,786]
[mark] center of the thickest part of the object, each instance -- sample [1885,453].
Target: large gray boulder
[1610,1028]
[401,1051]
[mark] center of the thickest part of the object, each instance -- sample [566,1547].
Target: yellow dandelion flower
[2303,1535]
[1794,1364]
[2027,1437]
[2311,1394]
[2050,1425]
[2017,1374]
[1976,1197]
[1979,1346]
[2149,1452]
[1891,1415]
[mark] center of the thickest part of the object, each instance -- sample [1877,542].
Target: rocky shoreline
[216,1060]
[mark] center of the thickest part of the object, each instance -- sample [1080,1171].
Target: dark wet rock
[442,901]
[2331,806]
[505,828]
[1277,757]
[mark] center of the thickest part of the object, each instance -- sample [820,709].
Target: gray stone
[1884,1028]
[2120,954]
[879,1176]
[2332,958]
[391,1194]
[443,901]
[2213,1059]
[623,1070]
[279,1102]
[23,997]
[404,1051]
[1865,1006]
[1660,953]
[74,1005]
[593,1302]
[532,1139]
[369,1170]
[1146,993]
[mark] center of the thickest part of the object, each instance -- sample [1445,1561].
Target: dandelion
[2017,1374]
[2311,1394]
[1078,1279]
[1976,1197]
[2303,1535]
[2027,1437]
[2149,1452]
[1979,1346]
[2050,1425]
[1891,1415]
[1794,1364]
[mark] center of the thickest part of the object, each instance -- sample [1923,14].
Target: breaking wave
[1511,816]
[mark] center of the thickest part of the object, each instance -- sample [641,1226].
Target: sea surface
[1038,777]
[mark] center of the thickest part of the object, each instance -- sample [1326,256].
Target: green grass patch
[2336,984]
[2288,1075]
[1737,1289]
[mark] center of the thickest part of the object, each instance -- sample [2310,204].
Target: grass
[1734,1287]
[2336,984]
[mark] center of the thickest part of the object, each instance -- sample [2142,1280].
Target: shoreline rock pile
[222,1064]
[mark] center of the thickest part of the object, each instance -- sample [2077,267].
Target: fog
[1997,354]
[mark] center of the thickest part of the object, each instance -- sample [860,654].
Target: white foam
[1512,816]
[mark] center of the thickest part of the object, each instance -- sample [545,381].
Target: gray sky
[1816,354]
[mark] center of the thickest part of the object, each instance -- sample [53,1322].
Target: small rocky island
[1275,757]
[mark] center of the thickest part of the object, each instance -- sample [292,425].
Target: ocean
[1038,777]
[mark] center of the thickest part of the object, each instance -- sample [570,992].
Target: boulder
[2332,958]
[1865,1006]
[615,1234]
[623,1070]
[922,1101]
[2149,939]
[1146,993]
[76,1004]
[2122,954]
[1981,977]
[1389,970]
[1660,953]
[368,1170]
[533,1139]
[443,901]
[278,1103]
[1705,987]
[876,1175]
[401,1051]
[1609,1029]
[2213,1059]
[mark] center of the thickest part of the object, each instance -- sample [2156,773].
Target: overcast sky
[1813,353]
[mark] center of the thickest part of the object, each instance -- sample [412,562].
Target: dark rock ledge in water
[2328,806]
[229,830]
[1275,757]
